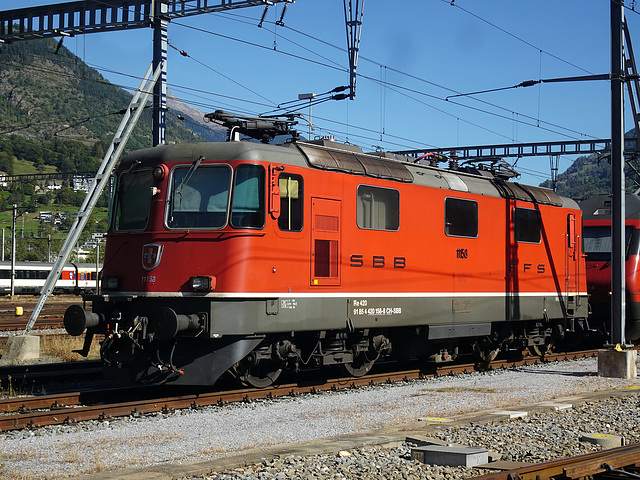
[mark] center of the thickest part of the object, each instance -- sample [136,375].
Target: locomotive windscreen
[133,200]
[199,197]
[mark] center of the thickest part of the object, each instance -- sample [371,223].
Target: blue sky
[413,55]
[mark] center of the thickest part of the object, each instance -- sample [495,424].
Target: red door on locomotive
[325,241]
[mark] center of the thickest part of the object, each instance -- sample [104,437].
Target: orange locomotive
[252,258]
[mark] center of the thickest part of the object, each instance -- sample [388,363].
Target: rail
[589,465]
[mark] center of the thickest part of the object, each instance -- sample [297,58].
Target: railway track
[51,371]
[617,463]
[51,316]
[68,408]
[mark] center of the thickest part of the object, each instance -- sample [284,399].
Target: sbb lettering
[356,261]
[377,261]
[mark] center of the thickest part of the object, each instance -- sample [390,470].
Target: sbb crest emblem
[151,255]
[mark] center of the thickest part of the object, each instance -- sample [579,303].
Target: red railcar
[251,258]
[597,248]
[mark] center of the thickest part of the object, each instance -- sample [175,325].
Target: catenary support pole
[618,287]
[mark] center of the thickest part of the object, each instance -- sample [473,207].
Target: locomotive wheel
[258,375]
[541,350]
[360,366]
[486,351]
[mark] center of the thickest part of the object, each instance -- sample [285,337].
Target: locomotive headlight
[201,283]
[110,283]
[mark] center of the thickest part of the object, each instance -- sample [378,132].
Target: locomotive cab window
[460,217]
[247,204]
[133,200]
[199,196]
[291,205]
[527,225]
[378,208]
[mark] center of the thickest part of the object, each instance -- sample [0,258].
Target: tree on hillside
[68,196]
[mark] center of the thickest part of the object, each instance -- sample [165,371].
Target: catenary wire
[536,119]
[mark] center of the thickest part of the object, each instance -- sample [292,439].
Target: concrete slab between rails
[22,347]
[448,455]
[557,406]
[510,413]
[386,437]
[424,441]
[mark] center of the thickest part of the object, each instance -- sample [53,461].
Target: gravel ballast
[186,437]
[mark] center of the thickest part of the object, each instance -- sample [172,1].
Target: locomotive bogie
[253,258]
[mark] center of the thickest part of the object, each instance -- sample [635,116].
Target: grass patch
[25,167]
[62,347]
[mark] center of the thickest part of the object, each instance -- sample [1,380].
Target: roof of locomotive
[599,207]
[334,156]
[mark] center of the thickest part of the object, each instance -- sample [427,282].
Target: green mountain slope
[57,115]
[46,95]
[584,178]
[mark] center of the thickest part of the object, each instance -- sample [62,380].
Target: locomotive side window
[291,195]
[527,225]
[460,217]
[378,208]
[247,204]
[133,200]
[199,197]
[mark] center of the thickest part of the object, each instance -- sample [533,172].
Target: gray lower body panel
[287,314]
